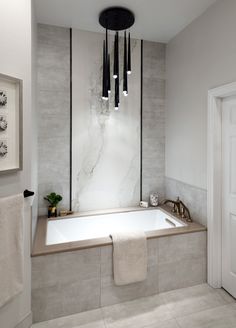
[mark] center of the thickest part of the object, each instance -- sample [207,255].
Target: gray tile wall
[71,282]
[153,118]
[53,112]
[194,198]
[53,82]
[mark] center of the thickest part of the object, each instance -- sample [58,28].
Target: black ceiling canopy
[116,18]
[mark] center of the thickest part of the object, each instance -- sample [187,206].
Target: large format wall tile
[65,283]
[71,282]
[183,273]
[193,197]
[64,299]
[50,34]
[53,112]
[112,294]
[182,261]
[153,159]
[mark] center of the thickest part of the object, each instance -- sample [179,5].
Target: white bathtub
[102,225]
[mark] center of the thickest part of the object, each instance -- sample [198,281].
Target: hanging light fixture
[125,77]
[104,77]
[129,57]
[116,19]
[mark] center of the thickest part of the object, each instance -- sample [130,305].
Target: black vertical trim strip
[141,125]
[70,196]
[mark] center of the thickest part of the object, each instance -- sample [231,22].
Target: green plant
[53,199]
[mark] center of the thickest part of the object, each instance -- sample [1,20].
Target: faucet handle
[183,216]
[174,210]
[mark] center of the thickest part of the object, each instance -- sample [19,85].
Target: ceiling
[155,20]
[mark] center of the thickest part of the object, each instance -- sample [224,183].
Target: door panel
[233,243]
[229,194]
[233,165]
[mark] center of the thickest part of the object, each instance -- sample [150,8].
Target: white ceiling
[155,20]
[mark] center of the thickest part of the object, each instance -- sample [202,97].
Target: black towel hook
[28,193]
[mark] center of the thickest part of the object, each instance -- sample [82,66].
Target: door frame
[214,181]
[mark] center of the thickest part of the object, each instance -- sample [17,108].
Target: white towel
[11,247]
[129,257]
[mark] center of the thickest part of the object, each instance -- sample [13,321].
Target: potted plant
[53,199]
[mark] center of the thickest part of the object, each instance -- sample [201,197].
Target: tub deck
[40,247]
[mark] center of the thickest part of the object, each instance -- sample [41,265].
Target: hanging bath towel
[11,247]
[129,257]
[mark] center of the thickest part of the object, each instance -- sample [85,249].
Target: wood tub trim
[40,248]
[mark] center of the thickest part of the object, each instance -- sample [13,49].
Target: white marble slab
[106,143]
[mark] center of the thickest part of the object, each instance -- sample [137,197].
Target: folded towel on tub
[11,247]
[129,257]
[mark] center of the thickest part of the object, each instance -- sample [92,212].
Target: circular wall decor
[3,123]
[3,98]
[3,149]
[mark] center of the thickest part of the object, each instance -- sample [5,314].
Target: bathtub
[103,225]
[93,229]
[72,259]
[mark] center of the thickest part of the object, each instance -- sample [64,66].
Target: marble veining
[106,143]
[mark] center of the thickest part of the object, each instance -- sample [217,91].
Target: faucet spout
[180,208]
[176,205]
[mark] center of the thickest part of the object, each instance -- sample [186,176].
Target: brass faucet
[176,207]
[180,208]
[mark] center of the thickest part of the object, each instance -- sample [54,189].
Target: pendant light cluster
[116,19]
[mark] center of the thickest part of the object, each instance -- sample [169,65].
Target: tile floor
[193,307]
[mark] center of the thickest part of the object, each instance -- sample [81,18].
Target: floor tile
[219,317]
[189,300]
[194,307]
[89,319]
[165,324]
[226,296]
[137,314]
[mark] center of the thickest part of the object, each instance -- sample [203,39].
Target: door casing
[214,181]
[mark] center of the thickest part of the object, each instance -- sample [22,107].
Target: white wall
[34,119]
[15,60]
[201,57]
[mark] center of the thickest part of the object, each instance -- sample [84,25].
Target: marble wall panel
[106,143]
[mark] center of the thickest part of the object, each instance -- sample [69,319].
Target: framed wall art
[10,124]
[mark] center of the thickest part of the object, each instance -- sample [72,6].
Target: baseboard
[26,322]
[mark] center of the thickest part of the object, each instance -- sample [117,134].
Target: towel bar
[28,193]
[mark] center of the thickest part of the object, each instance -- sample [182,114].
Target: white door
[229,195]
